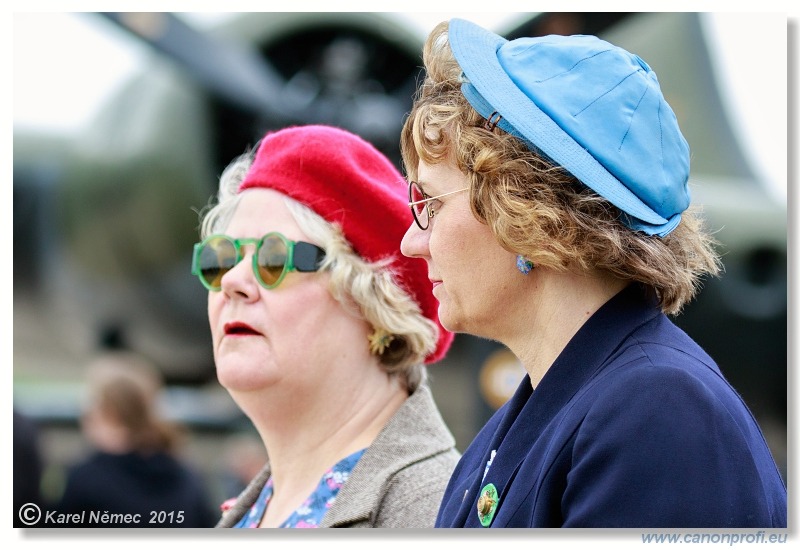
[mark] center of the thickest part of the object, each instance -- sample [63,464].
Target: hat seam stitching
[614,87]
[630,123]
[573,67]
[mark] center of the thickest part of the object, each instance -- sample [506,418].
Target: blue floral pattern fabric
[310,513]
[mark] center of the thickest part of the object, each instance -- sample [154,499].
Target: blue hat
[591,107]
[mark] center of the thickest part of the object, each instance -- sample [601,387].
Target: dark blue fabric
[137,484]
[633,426]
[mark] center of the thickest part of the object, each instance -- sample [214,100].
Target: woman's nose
[240,280]
[415,242]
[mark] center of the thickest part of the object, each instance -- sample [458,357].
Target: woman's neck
[554,313]
[306,435]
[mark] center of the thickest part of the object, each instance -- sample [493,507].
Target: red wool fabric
[347,181]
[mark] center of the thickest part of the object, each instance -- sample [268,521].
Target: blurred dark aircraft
[104,221]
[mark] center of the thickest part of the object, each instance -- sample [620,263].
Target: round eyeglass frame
[300,256]
[425,201]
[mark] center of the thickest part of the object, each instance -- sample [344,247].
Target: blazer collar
[416,432]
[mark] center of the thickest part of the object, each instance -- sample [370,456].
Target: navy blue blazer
[632,426]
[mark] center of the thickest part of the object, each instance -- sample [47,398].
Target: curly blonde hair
[538,209]
[368,289]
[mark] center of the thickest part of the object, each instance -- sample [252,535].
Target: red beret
[347,181]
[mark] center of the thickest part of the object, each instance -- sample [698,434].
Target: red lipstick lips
[239,329]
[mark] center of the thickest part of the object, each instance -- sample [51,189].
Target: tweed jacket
[398,482]
[633,425]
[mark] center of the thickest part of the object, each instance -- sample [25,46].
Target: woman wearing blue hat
[549,186]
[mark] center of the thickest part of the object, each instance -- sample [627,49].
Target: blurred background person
[135,467]
[321,333]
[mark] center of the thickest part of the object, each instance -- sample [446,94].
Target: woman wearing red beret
[321,332]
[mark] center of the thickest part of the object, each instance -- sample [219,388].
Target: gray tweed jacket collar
[416,432]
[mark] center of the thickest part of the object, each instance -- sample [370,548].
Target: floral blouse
[310,513]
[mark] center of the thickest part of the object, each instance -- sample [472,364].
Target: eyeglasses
[274,257]
[419,202]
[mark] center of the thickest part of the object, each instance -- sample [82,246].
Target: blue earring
[524,265]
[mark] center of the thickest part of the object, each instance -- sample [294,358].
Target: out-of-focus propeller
[233,72]
[242,77]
